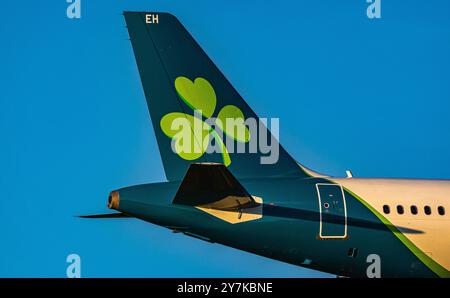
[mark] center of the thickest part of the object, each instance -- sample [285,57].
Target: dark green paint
[288,230]
[166,51]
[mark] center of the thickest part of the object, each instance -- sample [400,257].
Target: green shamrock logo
[200,96]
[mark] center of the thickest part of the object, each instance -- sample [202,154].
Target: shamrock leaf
[199,95]
[225,155]
[234,127]
[190,134]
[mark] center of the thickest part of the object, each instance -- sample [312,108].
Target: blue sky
[351,93]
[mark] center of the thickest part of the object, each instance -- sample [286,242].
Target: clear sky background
[351,93]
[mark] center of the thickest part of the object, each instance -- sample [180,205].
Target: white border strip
[320,212]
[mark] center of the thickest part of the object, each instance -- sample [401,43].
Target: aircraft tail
[178,78]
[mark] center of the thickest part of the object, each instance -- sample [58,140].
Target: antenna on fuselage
[349,173]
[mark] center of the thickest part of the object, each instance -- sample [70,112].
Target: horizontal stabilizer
[211,185]
[109,215]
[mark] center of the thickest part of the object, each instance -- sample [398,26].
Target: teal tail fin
[178,78]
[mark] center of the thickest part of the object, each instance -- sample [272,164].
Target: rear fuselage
[299,226]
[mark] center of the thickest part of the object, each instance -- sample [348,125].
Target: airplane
[350,227]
